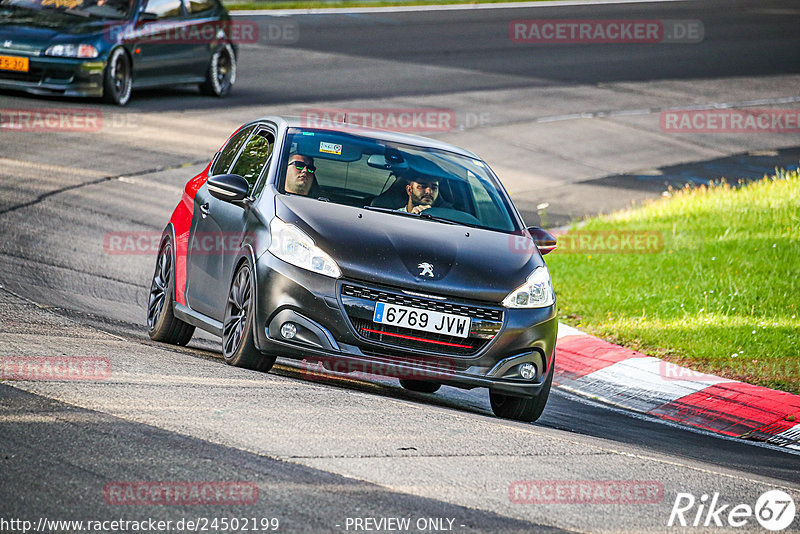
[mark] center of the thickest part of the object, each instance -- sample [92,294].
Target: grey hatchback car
[349,269]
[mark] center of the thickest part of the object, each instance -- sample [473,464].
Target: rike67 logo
[774,510]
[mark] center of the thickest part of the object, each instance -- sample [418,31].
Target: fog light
[288,330]
[527,371]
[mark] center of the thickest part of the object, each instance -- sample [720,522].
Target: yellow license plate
[14,63]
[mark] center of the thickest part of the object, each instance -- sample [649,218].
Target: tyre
[118,78]
[238,347]
[420,386]
[221,73]
[162,325]
[526,409]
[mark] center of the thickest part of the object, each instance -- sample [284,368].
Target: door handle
[204,208]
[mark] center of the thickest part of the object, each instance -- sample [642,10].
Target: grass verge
[715,285]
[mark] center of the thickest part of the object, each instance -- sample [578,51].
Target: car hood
[35,30]
[393,250]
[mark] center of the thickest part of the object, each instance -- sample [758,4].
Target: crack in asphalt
[49,194]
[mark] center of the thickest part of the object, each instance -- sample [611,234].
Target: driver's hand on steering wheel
[420,208]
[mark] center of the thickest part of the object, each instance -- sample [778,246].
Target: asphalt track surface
[322,449]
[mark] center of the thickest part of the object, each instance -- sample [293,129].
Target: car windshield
[363,172]
[110,9]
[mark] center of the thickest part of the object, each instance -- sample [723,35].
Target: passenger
[422,194]
[300,174]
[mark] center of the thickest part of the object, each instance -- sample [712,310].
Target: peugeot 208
[347,269]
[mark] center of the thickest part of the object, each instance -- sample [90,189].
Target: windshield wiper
[426,215]
[390,210]
[422,215]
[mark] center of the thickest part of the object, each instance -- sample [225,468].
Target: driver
[422,193]
[300,173]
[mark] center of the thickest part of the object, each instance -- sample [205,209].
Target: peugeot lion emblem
[427,269]
[7,44]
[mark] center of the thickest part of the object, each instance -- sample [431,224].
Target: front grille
[406,300]
[34,75]
[417,339]
[359,303]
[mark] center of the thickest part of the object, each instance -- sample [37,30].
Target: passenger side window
[254,156]
[228,153]
[165,9]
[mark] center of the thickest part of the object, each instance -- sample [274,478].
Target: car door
[203,21]
[162,47]
[218,232]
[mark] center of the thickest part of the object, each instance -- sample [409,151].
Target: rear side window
[228,153]
[199,6]
[254,156]
[164,8]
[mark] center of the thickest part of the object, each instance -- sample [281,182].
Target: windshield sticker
[69,4]
[330,148]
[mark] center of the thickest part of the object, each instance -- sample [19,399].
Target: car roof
[383,135]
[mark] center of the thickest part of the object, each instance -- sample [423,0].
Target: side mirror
[146,16]
[228,187]
[544,240]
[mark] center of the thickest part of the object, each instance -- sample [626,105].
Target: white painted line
[565,330]
[792,434]
[640,384]
[446,7]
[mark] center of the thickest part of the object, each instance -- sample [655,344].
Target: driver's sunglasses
[300,165]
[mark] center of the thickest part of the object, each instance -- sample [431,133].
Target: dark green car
[110,47]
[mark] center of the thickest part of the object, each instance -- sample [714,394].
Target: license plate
[14,63]
[425,320]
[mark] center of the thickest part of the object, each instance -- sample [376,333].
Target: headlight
[72,50]
[536,292]
[290,244]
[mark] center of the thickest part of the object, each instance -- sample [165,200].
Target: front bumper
[57,76]
[325,332]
